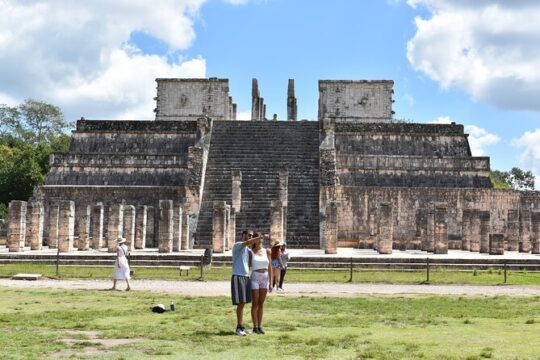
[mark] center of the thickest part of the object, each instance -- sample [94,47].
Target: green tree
[29,133]
[516,179]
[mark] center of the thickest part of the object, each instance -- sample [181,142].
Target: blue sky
[476,63]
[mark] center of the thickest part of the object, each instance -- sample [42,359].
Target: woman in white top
[121,266]
[260,284]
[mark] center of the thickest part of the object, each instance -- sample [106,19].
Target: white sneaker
[240,331]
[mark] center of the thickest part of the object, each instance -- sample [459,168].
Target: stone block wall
[189,99]
[356,101]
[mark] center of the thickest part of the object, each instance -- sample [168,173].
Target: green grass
[33,322]
[437,276]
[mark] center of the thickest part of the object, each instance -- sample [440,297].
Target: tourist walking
[240,281]
[260,283]
[285,257]
[121,265]
[277,265]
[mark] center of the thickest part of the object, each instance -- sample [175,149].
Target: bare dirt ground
[222,288]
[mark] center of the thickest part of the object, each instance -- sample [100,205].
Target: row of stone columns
[26,224]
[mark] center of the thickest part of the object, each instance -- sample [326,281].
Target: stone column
[525,230]
[35,227]
[140,227]
[236,191]
[84,228]
[219,227]
[227,226]
[52,240]
[232,229]
[115,226]
[430,230]
[185,231]
[284,197]
[385,233]
[129,226]
[421,227]
[441,230]
[512,230]
[535,220]
[484,231]
[166,226]
[330,228]
[151,227]
[291,102]
[16,231]
[66,225]
[177,235]
[466,230]
[496,244]
[475,230]
[97,226]
[276,221]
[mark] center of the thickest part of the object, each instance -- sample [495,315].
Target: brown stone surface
[129,226]
[34,228]
[52,239]
[512,230]
[535,232]
[441,230]
[66,225]
[485,230]
[166,226]
[115,226]
[219,229]
[141,217]
[16,231]
[496,244]
[97,226]
[525,230]
[84,217]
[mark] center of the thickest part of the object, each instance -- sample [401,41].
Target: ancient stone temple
[195,177]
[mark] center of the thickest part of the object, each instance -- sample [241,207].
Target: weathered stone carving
[84,216]
[292,109]
[385,236]
[115,226]
[535,233]
[97,226]
[525,230]
[140,226]
[219,226]
[496,244]
[129,225]
[66,225]
[35,226]
[16,231]
[441,230]
[484,231]
[52,240]
[166,226]
[512,230]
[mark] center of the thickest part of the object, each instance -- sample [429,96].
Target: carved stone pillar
[177,232]
[284,197]
[525,230]
[484,231]
[97,226]
[16,230]
[331,228]
[219,227]
[276,221]
[475,230]
[231,237]
[185,231]
[35,227]
[535,233]
[52,240]
[140,226]
[66,225]
[115,225]
[430,231]
[151,227]
[385,234]
[496,244]
[441,230]
[466,230]
[227,225]
[166,226]
[84,217]
[512,230]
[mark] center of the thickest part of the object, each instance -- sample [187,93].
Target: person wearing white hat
[121,266]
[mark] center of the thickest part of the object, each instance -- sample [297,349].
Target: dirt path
[222,288]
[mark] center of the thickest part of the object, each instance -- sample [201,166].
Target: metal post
[505,266]
[57,259]
[201,278]
[427,270]
[351,272]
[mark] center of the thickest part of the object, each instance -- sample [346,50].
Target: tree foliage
[516,179]
[29,133]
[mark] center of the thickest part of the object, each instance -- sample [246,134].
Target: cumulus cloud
[479,138]
[76,54]
[530,157]
[243,115]
[486,48]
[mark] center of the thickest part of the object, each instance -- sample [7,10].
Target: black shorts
[240,289]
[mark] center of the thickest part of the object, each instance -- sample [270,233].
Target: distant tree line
[29,132]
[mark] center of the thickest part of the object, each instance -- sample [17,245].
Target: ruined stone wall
[356,101]
[189,99]
[357,210]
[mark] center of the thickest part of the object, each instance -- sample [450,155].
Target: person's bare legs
[240,314]
[113,284]
[128,286]
[262,298]
[276,275]
[255,307]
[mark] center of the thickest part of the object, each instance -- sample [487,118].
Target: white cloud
[530,157]
[486,48]
[236,2]
[76,54]
[243,115]
[479,138]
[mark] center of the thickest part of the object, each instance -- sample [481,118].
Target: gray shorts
[240,289]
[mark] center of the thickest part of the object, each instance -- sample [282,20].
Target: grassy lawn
[441,276]
[36,323]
